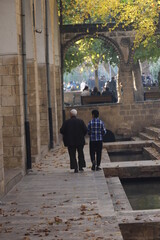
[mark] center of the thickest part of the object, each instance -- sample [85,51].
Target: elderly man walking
[74,131]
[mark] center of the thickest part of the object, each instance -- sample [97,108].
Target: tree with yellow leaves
[90,52]
[142,15]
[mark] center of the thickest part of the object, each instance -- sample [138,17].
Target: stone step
[145,136]
[156,145]
[154,154]
[136,139]
[153,131]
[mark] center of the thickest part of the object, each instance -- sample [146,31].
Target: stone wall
[123,119]
[12,131]
[138,231]
[12,111]
[56,103]
[73,97]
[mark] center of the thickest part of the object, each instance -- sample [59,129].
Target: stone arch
[125,88]
[108,40]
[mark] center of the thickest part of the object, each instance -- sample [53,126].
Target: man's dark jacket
[73,131]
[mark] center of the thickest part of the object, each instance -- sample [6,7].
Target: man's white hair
[73,112]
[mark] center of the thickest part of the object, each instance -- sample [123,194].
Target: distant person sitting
[82,86]
[107,92]
[95,92]
[86,91]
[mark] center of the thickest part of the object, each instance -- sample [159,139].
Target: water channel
[143,193]
[126,155]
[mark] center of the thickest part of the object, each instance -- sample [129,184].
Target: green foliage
[143,16]
[151,52]
[73,58]
[89,52]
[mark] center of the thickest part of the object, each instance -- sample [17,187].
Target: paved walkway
[54,203]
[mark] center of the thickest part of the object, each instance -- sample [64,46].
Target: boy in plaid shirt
[96,131]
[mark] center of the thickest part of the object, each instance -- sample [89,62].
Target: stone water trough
[132,172]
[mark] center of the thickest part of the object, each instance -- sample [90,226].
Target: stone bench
[96,99]
[151,95]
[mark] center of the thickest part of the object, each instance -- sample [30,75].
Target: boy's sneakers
[81,169]
[93,167]
[98,168]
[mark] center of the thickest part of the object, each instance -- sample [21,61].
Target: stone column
[54,93]
[42,81]
[138,86]
[1,151]
[57,64]
[32,78]
[125,84]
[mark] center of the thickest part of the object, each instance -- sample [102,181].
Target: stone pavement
[54,203]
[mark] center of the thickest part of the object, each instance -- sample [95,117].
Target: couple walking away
[74,131]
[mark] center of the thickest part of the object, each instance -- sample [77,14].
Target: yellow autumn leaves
[142,15]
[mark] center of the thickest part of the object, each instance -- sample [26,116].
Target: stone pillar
[51,27]
[138,86]
[125,84]
[42,80]
[1,151]
[32,78]
[33,108]
[43,104]
[57,64]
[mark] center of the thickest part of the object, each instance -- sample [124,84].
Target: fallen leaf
[58,220]
[83,208]
[26,238]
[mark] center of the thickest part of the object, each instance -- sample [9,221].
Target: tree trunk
[109,69]
[138,88]
[96,77]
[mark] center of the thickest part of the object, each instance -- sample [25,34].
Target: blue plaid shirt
[96,129]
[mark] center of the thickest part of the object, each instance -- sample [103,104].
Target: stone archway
[99,36]
[129,88]
[108,41]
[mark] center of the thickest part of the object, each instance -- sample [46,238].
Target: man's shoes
[81,169]
[93,168]
[76,170]
[98,168]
